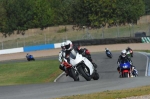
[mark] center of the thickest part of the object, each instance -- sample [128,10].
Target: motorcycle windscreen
[108,52]
[75,57]
[73,54]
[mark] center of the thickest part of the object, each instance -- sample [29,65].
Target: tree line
[22,15]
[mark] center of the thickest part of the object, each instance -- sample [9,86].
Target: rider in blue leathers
[124,57]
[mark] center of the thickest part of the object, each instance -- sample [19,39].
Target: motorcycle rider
[107,50]
[124,57]
[62,56]
[28,55]
[85,53]
[128,49]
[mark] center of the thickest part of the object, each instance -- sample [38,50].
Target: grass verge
[29,72]
[117,94]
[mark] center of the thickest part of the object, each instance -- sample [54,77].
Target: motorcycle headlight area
[125,66]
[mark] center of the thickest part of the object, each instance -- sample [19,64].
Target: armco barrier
[13,50]
[78,42]
[38,47]
[30,48]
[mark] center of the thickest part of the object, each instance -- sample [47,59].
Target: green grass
[29,72]
[42,37]
[145,90]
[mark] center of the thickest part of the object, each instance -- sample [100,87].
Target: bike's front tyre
[85,73]
[74,74]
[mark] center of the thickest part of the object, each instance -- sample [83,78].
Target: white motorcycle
[83,66]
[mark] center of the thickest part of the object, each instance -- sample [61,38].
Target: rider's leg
[131,71]
[90,59]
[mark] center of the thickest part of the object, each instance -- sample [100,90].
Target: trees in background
[147,6]
[22,15]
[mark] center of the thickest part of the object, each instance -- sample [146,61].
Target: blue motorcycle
[125,69]
[30,57]
[108,53]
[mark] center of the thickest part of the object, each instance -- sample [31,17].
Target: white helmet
[68,45]
[63,45]
[123,53]
[106,48]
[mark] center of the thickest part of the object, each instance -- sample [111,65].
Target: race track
[109,80]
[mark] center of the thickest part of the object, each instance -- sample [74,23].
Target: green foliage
[147,6]
[21,15]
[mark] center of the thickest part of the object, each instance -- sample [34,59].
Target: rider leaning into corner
[27,56]
[128,49]
[85,53]
[66,48]
[124,57]
[107,50]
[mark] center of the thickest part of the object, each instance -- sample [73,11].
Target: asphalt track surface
[65,86]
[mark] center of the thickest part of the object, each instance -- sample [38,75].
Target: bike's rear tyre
[84,72]
[95,76]
[74,74]
[126,75]
[110,56]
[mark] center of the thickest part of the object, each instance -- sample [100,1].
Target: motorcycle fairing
[76,58]
[108,52]
[125,65]
[89,65]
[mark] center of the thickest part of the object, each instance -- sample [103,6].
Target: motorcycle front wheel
[125,75]
[84,72]
[74,74]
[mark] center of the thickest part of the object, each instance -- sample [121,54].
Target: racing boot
[61,67]
[131,71]
[120,75]
[66,71]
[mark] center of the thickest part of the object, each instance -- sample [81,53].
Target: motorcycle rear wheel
[95,76]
